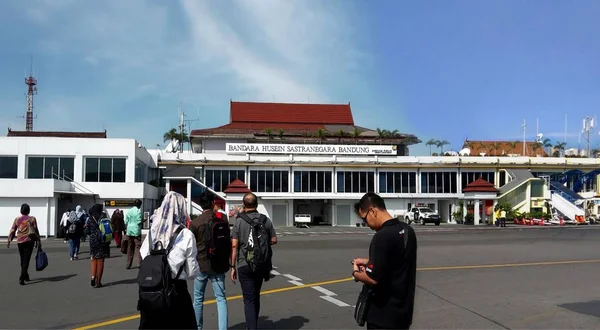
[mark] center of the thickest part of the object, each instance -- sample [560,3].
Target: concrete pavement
[471,279]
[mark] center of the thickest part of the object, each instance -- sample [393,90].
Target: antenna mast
[524,138]
[588,126]
[31,82]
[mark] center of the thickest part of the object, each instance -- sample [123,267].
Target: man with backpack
[251,240]
[213,240]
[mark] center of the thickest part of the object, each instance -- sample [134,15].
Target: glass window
[405,183]
[67,168]
[91,169]
[297,182]
[370,182]
[413,183]
[118,169]
[312,181]
[340,181]
[383,182]
[424,187]
[8,167]
[51,169]
[106,169]
[328,186]
[305,179]
[398,182]
[261,181]
[347,182]
[284,181]
[276,181]
[35,167]
[390,182]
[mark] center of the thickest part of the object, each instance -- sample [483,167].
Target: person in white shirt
[63,224]
[171,215]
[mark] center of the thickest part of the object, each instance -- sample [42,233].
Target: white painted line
[276,273]
[292,277]
[324,291]
[311,232]
[301,233]
[296,283]
[287,233]
[335,301]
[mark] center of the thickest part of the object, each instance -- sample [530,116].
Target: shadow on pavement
[294,322]
[52,279]
[127,281]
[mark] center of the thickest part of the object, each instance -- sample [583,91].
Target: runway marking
[296,283]
[324,291]
[524,264]
[292,277]
[276,273]
[214,301]
[334,301]
[348,279]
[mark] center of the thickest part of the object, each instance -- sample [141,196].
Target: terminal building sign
[310,149]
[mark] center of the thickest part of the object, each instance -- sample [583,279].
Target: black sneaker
[93,282]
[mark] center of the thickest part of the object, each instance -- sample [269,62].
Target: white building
[313,159]
[54,171]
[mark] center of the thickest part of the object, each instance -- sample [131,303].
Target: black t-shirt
[393,265]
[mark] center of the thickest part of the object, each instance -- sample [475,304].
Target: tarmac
[468,278]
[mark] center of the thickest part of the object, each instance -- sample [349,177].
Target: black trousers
[251,284]
[180,316]
[25,252]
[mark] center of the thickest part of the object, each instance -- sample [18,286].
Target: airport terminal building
[307,159]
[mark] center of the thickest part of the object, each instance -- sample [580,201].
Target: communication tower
[31,83]
[589,123]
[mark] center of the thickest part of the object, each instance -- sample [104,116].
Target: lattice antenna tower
[188,128]
[589,123]
[31,83]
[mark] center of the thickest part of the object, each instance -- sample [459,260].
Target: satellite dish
[465,152]
[173,146]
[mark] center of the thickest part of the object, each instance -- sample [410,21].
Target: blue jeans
[218,285]
[74,243]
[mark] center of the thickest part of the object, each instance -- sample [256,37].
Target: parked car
[422,215]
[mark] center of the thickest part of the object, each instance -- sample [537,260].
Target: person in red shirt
[28,236]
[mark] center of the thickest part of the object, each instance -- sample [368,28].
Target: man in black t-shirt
[391,268]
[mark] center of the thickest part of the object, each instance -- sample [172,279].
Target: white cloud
[192,52]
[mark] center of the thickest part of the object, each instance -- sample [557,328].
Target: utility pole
[524,138]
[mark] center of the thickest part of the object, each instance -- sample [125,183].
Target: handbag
[362,305]
[41,260]
[124,244]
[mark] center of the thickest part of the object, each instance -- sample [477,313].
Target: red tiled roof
[94,135]
[259,128]
[504,148]
[480,185]
[298,113]
[237,186]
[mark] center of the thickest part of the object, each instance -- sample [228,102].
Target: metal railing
[75,184]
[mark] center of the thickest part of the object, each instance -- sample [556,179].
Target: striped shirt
[20,229]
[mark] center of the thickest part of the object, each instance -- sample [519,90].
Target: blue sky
[439,69]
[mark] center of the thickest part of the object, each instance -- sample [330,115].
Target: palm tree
[173,134]
[383,133]
[340,134]
[536,146]
[356,134]
[441,145]
[560,147]
[547,144]
[269,133]
[394,134]
[280,134]
[431,143]
[513,145]
[321,133]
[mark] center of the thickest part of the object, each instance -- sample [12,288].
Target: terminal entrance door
[279,216]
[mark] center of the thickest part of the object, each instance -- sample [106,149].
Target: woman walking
[98,248]
[118,223]
[171,216]
[26,230]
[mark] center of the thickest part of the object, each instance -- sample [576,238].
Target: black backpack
[72,229]
[258,256]
[156,286]
[217,237]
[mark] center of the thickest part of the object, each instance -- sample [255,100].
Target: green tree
[431,143]
[321,135]
[356,134]
[441,144]
[173,134]
[269,133]
[280,134]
